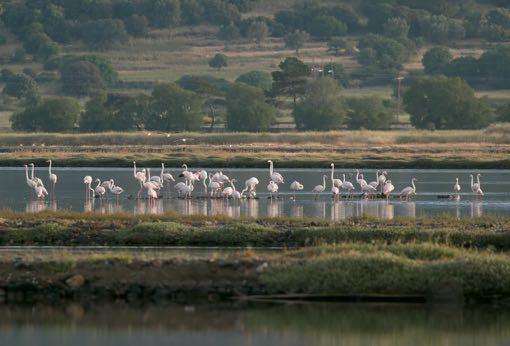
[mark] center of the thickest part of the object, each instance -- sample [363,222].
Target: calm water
[14,194]
[299,324]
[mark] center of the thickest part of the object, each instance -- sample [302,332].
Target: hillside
[164,52]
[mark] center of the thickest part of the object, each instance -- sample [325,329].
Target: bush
[53,115]
[258,79]
[368,113]
[204,84]
[19,85]
[396,27]
[257,31]
[503,113]
[446,103]
[247,109]
[339,44]
[229,33]
[174,109]
[218,61]
[80,78]
[103,33]
[322,108]
[382,51]
[296,40]
[436,60]
[137,25]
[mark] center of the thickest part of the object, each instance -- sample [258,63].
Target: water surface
[14,194]
[321,324]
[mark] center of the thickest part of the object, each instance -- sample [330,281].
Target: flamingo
[202,176]
[296,186]
[335,191]
[38,181]
[152,194]
[159,179]
[275,176]
[409,191]
[382,179]
[30,182]
[228,191]
[456,187]
[167,178]
[272,188]
[116,190]
[367,189]
[388,188]
[475,187]
[87,180]
[320,188]
[347,185]
[140,177]
[359,179]
[235,193]
[251,186]
[335,182]
[53,178]
[214,186]
[184,189]
[99,190]
[376,182]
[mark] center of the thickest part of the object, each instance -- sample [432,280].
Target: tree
[296,40]
[103,33]
[218,61]
[322,108]
[446,103]
[80,78]
[174,109]
[247,109]
[381,51]
[337,72]
[368,113]
[257,31]
[503,113]
[53,115]
[97,116]
[339,44]
[41,46]
[291,79]
[493,65]
[229,33]
[162,13]
[441,29]
[258,79]
[396,27]
[204,84]
[19,85]
[436,60]
[137,25]
[326,26]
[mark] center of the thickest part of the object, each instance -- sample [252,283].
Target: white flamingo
[272,187]
[30,182]
[359,179]
[53,178]
[320,188]
[275,176]
[476,187]
[99,190]
[409,191]
[140,176]
[296,186]
[376,182]
[235,194]
[347,185]
[116,190]
[38,181]
[388,188]
[456,187]
[367,189]
[214,186]
[228,191]
[335,182]
[87,180]
[382,179]
[250,185]
[202,176]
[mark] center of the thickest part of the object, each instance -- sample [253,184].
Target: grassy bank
[421,272]
[68,228]
[488,148]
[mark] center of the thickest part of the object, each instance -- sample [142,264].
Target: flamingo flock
[219,185]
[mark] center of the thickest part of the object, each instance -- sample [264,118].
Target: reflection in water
[289,324]
[476,208]
[407,209]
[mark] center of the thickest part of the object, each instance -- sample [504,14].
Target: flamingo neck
[26,172]
[478,180]
[324,181]
[32,175]
[414,186]
[472,183]
[49,168]
[271,168]
[332,173]
[344,177]
[233,186]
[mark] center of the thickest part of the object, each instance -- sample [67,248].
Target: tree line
[251,104]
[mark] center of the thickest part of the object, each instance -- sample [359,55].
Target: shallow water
[320,324]
[14,194]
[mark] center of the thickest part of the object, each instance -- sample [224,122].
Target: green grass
[382,270]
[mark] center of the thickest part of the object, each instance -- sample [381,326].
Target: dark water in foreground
[275,324]
[14,194]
